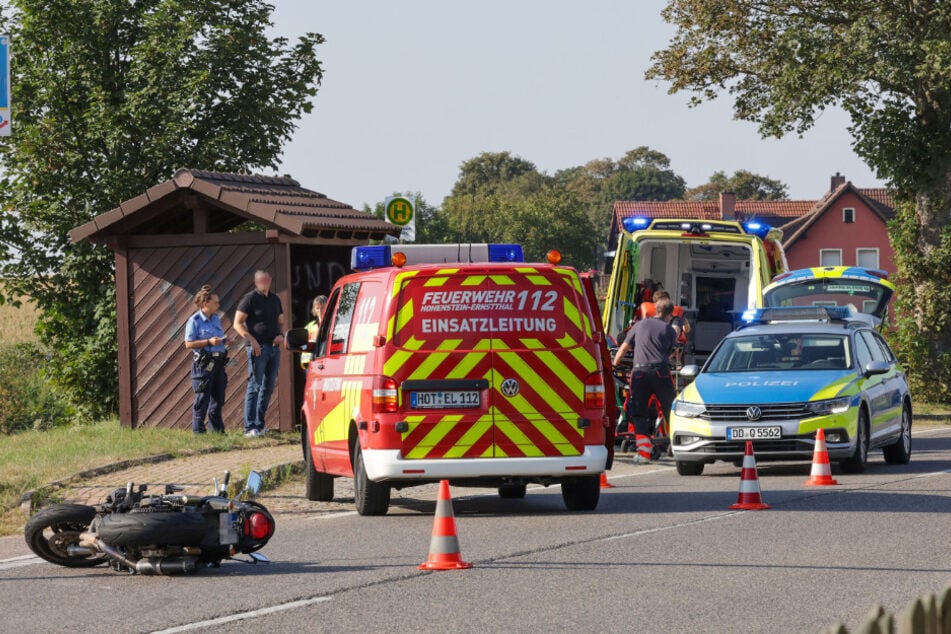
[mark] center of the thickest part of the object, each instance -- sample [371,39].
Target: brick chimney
[837,181]
[727,206]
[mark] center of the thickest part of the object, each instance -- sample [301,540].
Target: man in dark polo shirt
[653,340]
[260,320]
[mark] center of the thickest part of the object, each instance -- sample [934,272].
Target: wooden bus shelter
[215,228]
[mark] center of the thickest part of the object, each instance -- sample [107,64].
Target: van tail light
[385,396]
[594,391]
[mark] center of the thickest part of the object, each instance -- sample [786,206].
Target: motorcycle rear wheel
[154,529]
[51,531]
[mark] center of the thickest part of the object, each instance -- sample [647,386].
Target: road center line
[240,616]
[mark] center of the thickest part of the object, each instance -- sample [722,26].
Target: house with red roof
[847,226]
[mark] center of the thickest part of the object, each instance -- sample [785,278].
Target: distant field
[18,323]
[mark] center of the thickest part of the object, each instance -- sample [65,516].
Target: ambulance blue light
[635,223]
[370,257]
[506,253]
[759,229]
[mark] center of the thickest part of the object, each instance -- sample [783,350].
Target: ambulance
[713,270]
[457,362]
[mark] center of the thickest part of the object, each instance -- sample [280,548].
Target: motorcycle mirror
[253,485]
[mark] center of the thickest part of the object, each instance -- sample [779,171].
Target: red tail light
[385,396]
[594,391]
[258,526]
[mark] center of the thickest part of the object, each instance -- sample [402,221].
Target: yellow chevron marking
[538,280]
[492,451]
[436,281]
[465,365]
[477,431]
[584,357]
[502,280]
[571,312]
[528,375]
[433,436]
[400,279]
[473,280]
[515,434]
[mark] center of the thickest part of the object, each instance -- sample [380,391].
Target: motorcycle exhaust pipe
[115,554]
[80,551]
[167,566]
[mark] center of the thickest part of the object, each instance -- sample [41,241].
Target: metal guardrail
[929,614]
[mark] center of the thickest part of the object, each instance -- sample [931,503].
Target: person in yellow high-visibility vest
[317,312]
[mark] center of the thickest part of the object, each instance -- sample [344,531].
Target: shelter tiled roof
[230,200]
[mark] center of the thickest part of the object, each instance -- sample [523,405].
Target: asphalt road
[661,554]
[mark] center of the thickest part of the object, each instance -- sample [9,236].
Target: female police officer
[205,336]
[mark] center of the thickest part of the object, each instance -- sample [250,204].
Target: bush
[26,399]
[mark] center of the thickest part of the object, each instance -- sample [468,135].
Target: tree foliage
[746,185]
[887,64]
[641,174]
[110,97]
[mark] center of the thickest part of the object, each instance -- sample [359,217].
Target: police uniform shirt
[653,340]
[262,312]
[200,327]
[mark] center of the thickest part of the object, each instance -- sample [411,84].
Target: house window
[867,258]
[869,305]
[848,215]
[830,257]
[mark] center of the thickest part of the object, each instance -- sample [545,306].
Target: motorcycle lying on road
[140,533]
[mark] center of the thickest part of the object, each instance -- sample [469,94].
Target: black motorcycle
[139,533]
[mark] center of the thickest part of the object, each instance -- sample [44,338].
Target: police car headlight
[830,406]
[688,409]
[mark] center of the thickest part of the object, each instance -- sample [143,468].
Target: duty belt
[652,366]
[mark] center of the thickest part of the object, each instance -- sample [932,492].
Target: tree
[887,64]
[641,174]
[472,207]
[110,98]
[746,185]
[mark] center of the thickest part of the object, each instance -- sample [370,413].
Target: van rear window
[476,308]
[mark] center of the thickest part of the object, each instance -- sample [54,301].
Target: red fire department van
[456,362]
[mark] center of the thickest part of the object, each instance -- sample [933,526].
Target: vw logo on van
[754,413]
[509,387]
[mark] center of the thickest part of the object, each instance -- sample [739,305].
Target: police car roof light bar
[782,314]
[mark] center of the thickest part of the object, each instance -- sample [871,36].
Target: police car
[812,358]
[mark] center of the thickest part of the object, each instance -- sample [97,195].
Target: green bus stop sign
[399,211]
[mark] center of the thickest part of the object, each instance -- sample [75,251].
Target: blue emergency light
[370,257]
[758,229]
[779,314]
[506,253]
[366,258]
[635,223]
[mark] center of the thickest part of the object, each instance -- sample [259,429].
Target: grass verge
[33,459]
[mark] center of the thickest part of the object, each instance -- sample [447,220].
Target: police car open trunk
[495,362]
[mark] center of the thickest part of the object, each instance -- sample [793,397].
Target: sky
[411,89]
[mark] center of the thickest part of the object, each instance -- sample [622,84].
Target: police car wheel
[689,468]
[318,486]
[371,498]
[581,493]
[512,491]
[900,451]
[858,461]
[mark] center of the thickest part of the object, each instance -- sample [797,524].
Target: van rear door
[492,362]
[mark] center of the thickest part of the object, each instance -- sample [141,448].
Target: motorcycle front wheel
[51,532]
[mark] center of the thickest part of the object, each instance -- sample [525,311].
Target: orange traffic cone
[821,474]
[444,548]
[750,498]
[604,481]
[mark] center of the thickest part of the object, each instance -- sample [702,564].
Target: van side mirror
[875,368]
[298,340]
